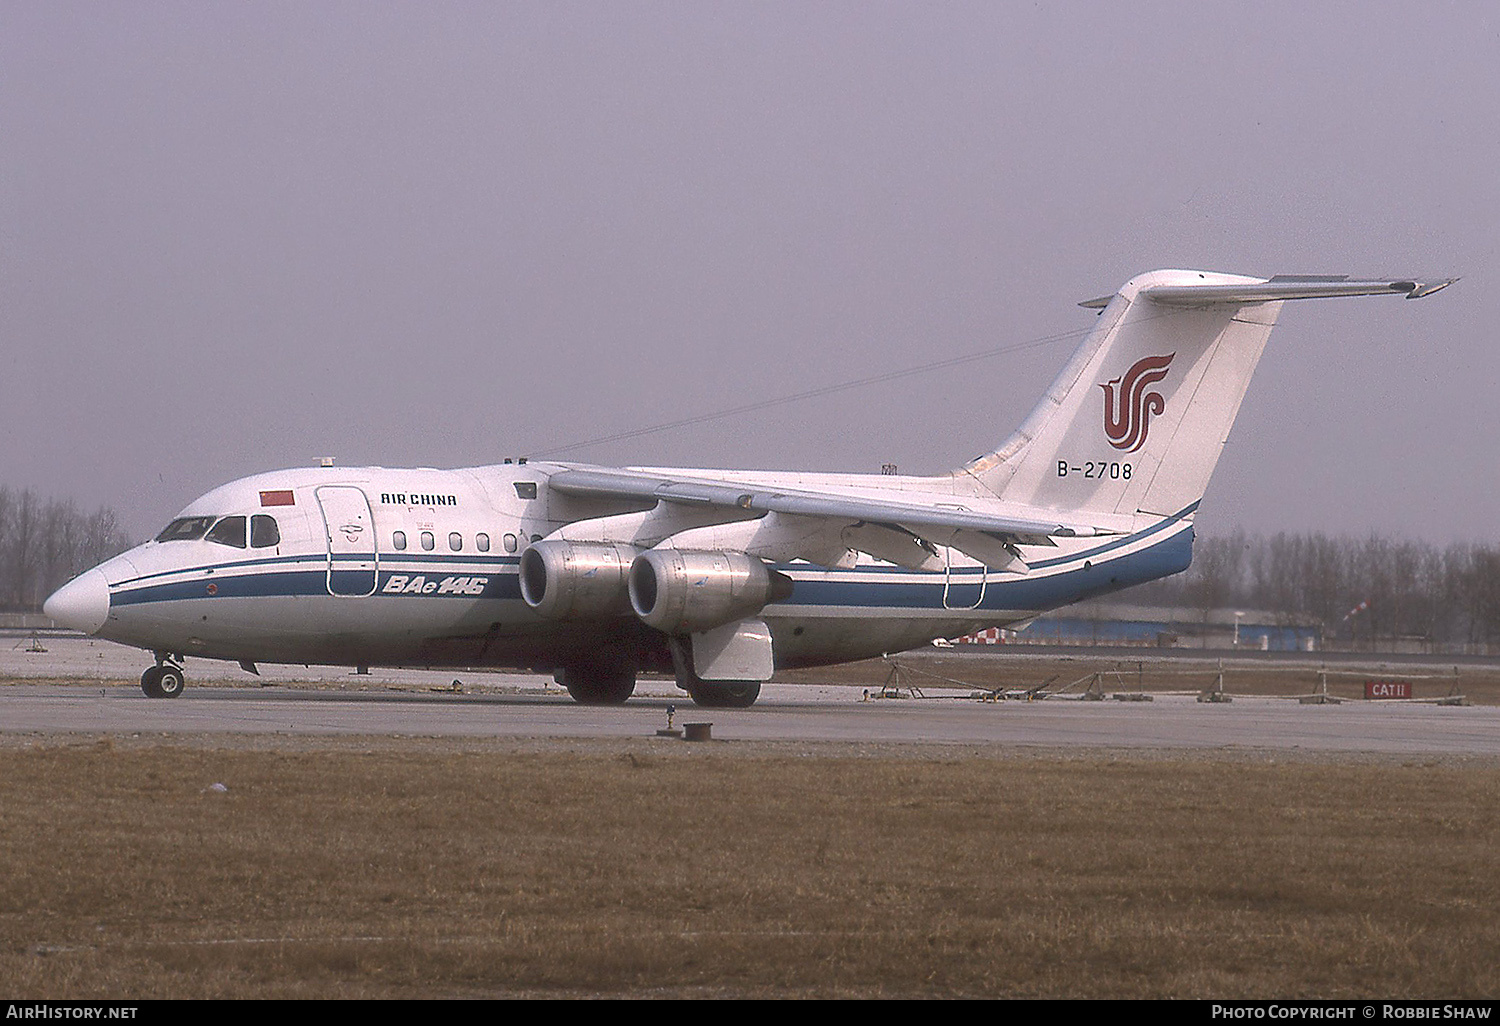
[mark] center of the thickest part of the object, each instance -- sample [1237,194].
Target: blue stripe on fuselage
[811,586]
[1169,556]
[321,559]
[500,583]
[1156,528]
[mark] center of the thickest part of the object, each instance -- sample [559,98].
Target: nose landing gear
[164,680]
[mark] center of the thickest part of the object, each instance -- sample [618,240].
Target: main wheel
[725,694]
[171,682]
[597,687]
[151,682]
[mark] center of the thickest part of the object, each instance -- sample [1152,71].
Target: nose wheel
[163,681]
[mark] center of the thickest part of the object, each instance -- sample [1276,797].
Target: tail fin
[1137,419]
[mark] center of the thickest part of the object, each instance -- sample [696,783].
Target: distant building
[1115,624]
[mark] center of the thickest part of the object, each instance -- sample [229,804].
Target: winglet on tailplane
[1138,417]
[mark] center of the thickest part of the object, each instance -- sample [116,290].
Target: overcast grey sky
[240,236]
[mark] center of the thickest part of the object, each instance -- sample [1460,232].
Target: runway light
[670,731]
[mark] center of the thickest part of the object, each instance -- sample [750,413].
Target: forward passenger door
[349,525]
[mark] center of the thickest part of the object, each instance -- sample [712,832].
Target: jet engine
[684,592]
[564,580]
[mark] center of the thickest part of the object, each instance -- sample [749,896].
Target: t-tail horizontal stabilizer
[1291,286]
[1282,286]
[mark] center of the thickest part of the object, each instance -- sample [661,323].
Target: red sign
[1387,689]
[282,498]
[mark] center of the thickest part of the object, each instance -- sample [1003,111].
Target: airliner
[716,577]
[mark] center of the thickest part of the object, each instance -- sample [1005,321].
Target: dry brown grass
[386,868]
[1023,668]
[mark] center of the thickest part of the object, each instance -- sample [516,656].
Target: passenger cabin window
[510,543]
[263,532]
[482,542]
[455,541]
[399,540]
[427,541]
[229,531]
[185,529]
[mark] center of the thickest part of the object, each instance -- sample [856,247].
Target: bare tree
[1216,573]
[45,542]
[1392,588]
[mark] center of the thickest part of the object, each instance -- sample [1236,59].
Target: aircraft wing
[988,537]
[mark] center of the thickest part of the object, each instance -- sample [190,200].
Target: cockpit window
[229,531]
[264,532]
[185,529]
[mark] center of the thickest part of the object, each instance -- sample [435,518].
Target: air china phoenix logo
[1129,407]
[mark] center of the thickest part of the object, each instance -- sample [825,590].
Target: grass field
[418,868]
[1023,667]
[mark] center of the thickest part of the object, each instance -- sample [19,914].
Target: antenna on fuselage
[325,461]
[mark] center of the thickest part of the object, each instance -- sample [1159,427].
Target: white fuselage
[375,566]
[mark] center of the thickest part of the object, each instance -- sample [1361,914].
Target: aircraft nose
[82,603]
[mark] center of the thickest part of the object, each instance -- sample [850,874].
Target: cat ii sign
[1387,689]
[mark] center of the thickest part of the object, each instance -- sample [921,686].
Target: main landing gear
[724,694]
[710,694]
[597,685]
[164,680]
